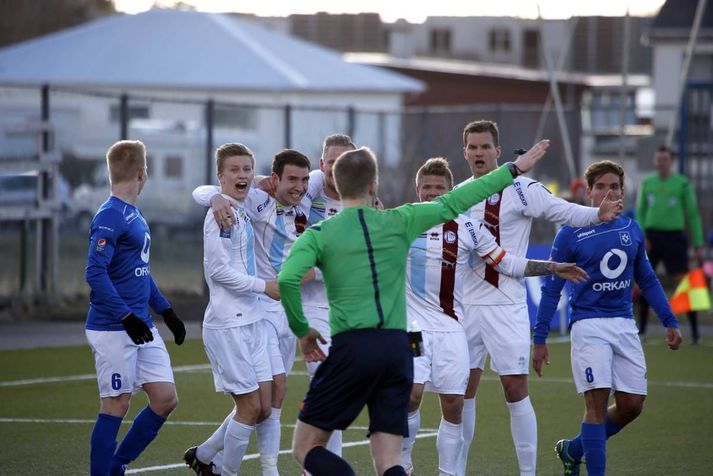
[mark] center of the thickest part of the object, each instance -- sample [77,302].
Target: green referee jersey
[362,254]
[666,205]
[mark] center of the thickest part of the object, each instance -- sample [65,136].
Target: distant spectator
[577,192]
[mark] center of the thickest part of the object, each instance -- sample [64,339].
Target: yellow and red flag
[691,293]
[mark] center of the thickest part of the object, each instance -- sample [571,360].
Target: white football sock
[449,443]
[414,423]
[523,426]
[335,442]
[268,442]
[468,434]
[207,450]
[237,437]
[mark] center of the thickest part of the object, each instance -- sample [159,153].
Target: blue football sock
[142,432]
[594,442]
[575,451]
[103,444]
[319,461]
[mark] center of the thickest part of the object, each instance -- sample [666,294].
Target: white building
[170,63]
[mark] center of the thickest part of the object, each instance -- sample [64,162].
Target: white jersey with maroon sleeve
[508,215]
[438,261]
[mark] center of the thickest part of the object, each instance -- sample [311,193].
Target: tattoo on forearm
[538,268]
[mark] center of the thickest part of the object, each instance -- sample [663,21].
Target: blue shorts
[372,367]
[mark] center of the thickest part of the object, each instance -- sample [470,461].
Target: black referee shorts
[671,247]
[372,367]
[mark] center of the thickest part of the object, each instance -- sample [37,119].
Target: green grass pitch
[46,420]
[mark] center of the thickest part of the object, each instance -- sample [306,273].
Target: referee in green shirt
[665,204]
[362,254]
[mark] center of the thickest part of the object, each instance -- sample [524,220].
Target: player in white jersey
[325,202]
[234,331]
[438,262]
[495,308]
[277,223]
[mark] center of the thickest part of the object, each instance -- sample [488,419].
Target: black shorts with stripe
[372,367]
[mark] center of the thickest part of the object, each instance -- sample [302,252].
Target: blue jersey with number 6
[118,271]
[614,256]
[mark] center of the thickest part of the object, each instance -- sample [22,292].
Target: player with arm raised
[606,350]
[437,263]
[370,362]
[495,308]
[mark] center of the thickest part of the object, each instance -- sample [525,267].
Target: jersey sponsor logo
[586,233]
[625,238]
[146,249]
[518,189]
[102,227]
[101,245]
[224,233]
[606,270]
[494,199]
[471,231]
[450,237]
[613,286]
[142,271]
[264,204]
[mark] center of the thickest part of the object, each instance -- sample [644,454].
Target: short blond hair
[436,166]
[231,149]
[337,140]
[353,171]
[124,159]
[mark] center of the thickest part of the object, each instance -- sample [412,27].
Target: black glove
[175,325]
[137,329]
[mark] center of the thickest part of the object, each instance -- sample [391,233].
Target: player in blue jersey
[128,351]
[606,350]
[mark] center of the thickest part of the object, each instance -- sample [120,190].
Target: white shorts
[607,353]
[238,357]
[503,331]
[318,318]
[281,342]
[123,367]
[443,362]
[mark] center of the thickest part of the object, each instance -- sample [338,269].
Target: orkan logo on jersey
[613,273]
[146,248]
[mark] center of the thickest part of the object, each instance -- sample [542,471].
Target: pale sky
[415,11]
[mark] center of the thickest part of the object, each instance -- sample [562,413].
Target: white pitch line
[168,422]
[80,377]
[350,444]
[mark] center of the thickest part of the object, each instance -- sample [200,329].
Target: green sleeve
[303,256]
[641,204]
[692,217]
[420,217]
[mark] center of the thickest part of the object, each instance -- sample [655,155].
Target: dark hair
[289,157]
[482,126]
[231,149]
[436,166]
[597,169]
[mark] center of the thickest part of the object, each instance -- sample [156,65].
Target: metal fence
[181,134]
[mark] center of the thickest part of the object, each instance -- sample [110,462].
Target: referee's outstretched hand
[175,325]
[309,348]
[528,160]
[137,329]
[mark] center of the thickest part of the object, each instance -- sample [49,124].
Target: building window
[173,166]
[135,112]
[440,41]
[235,117]
[499,40]
[531,49]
